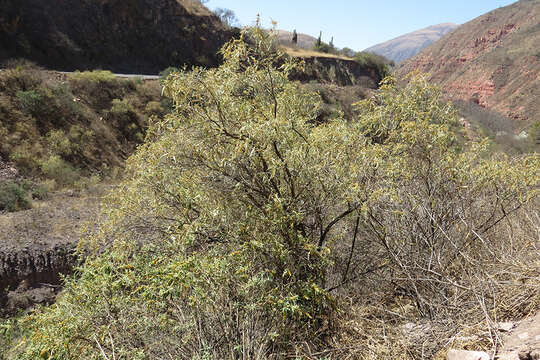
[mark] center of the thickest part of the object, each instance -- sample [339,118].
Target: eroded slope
[493,60]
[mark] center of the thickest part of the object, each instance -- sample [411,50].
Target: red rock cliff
[493,60]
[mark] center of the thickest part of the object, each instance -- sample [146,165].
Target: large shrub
[243,227]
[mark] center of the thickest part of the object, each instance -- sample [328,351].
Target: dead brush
[496,282]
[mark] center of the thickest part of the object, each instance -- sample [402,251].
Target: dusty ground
[522,342]
[36,246]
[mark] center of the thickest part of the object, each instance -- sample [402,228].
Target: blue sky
[357,24]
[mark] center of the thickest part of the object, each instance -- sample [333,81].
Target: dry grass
[303,53]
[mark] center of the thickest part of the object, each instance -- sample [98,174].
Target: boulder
[467,355]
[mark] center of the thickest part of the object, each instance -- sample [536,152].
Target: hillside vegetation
[247,230]
[61,130]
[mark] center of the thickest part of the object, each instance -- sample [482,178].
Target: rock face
[492,60]
[125,36]
[338,71]
[35,265]
[34,273]
[37,247]
[405,46]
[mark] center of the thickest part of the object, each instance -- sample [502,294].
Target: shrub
[374,61]
[13,197]
[80,137]
[99,88]
[324,47]
[243,227]
[121,107]
[59,143]
[30,101]
[59,170]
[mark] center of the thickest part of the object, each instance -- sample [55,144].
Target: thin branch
[332,223]
[352,249]
[101,349]
[287,171]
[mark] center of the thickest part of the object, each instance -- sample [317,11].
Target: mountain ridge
[407,45]
[492,60]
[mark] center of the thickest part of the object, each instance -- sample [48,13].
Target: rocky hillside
[405,46]
[127,36]
[493,60]
[338,71]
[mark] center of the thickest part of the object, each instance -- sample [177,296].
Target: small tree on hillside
[294,37]
[227,16]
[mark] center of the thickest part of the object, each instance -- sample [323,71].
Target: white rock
[505,326]
[466,355]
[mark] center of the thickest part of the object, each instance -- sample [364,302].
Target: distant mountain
[405,46]
[127,36]
[493,60]
[304,41]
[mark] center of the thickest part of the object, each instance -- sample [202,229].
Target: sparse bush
[494,125]
[30,101]
[26,155]
[227,16]
[80,137]
[20,64]
[18,79]
[534,136]
[59,170]
[41,191]
[13,197]
[347,52]
[87,182]
[149,91]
